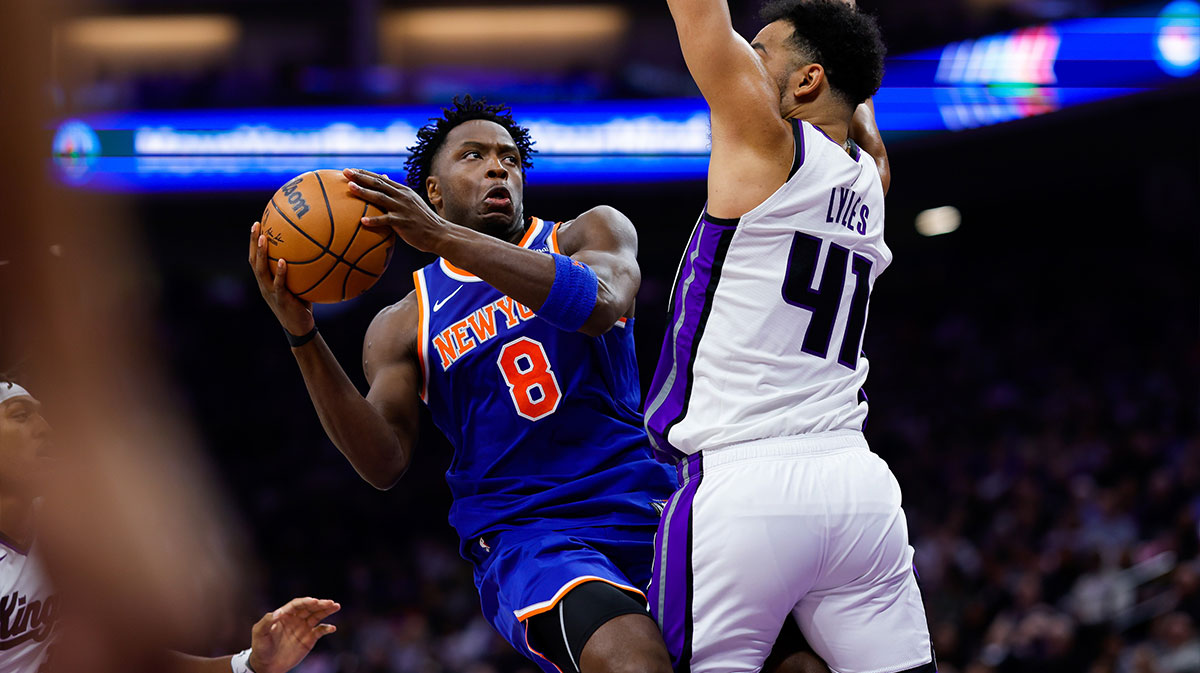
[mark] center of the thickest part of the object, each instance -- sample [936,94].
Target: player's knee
[629,660]
[627,644]
[636,664]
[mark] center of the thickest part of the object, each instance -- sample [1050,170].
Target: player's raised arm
[725,67]
[865,132]
[375,433]
[749,133]
[564,289]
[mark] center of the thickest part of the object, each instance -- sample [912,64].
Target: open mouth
[498,197]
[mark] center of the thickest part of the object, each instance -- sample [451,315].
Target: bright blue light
[964,85]
[1177,38]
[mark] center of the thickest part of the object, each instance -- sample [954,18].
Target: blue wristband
[573,295]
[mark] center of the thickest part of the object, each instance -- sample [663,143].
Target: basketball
[314,224]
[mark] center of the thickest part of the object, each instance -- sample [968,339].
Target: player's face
[24,438]
[778,57]
[477,180]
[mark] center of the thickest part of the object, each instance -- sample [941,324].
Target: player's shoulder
[601,221]
[392,333]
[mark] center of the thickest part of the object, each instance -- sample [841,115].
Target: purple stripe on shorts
[670,591]
[666,403]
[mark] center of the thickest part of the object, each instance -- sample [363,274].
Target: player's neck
[16,518]
[513,232]
[825,115]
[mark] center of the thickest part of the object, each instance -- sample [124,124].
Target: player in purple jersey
[754,397]
[519,340]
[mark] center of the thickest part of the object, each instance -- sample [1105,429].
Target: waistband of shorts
[824,443]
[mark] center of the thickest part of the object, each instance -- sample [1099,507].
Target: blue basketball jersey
[544,422]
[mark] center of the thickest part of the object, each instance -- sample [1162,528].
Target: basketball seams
[353,266]
[319,281]
[346,249]
[303,233]
[328,211]
[326,250]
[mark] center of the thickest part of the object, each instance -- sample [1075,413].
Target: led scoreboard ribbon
[962,85]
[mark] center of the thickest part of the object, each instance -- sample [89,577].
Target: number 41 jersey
[768,310]
[544,422]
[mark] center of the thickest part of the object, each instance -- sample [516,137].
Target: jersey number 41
[825,302]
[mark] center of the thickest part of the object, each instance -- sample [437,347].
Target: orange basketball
[314,223]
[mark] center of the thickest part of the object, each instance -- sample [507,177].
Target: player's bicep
[395,394]
[605,240]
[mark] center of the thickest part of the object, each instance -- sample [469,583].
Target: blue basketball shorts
[525,572]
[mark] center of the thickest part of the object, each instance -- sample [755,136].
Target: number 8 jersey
[544,423]
[768,310]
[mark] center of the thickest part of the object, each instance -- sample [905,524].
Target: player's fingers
[258,254]
[299,608]
[295,604]
[323,630]
[262,262]
[312,619]
[315,606]
[253,241]
[378,221]
[280,282]
[373,196]
[264,624]
[325,608]
[370,178]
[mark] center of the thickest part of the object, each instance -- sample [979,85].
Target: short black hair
[843,39]
[7,381]
[431,136]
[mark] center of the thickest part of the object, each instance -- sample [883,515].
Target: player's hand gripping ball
[314,224]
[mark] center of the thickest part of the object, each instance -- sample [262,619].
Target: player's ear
[806,80]
[434,189]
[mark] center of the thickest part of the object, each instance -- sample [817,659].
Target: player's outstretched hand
[404,211]
[281,639]
[293,313]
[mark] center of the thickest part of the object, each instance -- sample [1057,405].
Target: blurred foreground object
[132,536]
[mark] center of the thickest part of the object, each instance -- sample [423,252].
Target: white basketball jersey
[768,310]
[28,611]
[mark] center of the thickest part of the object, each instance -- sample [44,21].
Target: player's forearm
[352,423]
[705,31]
[518,272]
[865,132]
[525,275]
[692,17]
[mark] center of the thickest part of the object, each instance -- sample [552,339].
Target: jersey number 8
[531,383]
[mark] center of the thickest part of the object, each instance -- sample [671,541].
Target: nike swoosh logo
[437,306]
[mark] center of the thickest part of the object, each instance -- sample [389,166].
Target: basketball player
[519,340]
[29,606]
[784,512]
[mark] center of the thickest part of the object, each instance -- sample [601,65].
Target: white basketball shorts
[808,527]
